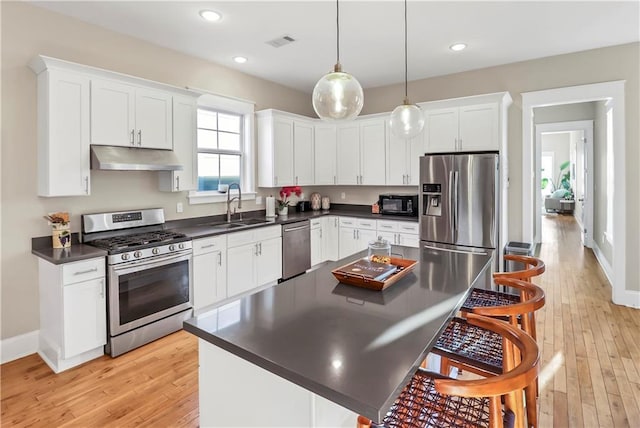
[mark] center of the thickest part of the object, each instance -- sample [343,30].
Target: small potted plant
[285,193]
[60,234]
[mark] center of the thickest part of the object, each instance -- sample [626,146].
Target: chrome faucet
[239,198]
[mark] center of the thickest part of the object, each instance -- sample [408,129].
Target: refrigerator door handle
[451,250]
[451,205]
[455,205]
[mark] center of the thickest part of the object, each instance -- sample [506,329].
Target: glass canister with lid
[380,250]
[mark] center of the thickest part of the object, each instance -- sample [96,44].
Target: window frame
[245,109]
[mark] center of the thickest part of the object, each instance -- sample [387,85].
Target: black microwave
[398,204]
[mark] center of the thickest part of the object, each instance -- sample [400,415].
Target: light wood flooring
[590,373]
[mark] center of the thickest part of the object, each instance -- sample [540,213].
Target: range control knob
[137,254]
[125,256]
[155,251]
[172,247]
[181,246]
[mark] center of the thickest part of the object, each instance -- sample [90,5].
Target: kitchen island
[314,352]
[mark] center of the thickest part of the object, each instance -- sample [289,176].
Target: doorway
[565,160]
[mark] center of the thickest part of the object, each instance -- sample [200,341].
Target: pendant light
[337,95]
[407,119]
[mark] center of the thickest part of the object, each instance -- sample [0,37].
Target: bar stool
[479,350]
[432,400]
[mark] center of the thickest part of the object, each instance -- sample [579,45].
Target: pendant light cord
[406,93]
[338,31]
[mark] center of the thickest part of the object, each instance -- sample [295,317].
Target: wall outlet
[179,207]
[343,195]
[258,200]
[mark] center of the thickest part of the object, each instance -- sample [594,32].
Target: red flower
[286,192]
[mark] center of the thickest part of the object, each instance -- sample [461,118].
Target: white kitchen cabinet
[361,152]
[466,128]
[399,232]
[73,318]
[355,235]
[403,160]
[129,115]
[303,153]
[63,132]
[317,244]
[184,146]
[325,147]
[209,271]
[254,258]
[331,236]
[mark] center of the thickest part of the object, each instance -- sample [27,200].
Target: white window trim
[245,108]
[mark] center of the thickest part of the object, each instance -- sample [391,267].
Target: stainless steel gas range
[148,282]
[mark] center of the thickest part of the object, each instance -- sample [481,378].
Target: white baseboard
[606,267]
[18,346]
[622,297]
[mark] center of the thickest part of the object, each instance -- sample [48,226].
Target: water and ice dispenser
[432,199]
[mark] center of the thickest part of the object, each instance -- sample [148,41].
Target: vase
[315,201]
[326,203]
[61,235]
[284,210]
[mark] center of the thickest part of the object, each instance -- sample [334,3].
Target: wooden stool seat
[480,297]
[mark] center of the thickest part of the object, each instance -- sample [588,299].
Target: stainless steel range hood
[133,159]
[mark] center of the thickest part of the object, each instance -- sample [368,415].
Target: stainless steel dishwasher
[296,248]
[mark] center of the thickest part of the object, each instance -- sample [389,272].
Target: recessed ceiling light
[210,15]
[240,59]
[457,47]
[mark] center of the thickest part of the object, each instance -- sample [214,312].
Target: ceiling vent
[281,41]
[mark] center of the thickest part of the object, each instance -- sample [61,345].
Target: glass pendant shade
[338,96]
[407,120]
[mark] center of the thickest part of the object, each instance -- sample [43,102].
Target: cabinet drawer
[316,223]
[267,233]
[366,224]
[407,227]
[387,226]
[237,239]
[208,245]
[83,271]
[348,221]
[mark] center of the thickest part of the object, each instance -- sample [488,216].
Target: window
[609,226]
[220,151]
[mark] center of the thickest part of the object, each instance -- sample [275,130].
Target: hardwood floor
[590,353]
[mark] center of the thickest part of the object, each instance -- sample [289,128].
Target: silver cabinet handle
[82,272]
[102,288]
[260,247]
[220,259]
[178,182]
[256,253]
[208,246]
[320,233]
[296,180]
[354,234]
[86,184]
[132,140]
[139,137]
[335,221]
[275,180]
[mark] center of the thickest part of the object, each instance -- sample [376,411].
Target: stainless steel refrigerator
[459,202]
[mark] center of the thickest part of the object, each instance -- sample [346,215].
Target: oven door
[144,291]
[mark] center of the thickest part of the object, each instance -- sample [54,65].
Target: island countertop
[353,346]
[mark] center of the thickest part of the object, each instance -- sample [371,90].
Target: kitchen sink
[223,226]
[250,222]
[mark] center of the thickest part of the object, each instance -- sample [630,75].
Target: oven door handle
[135,266]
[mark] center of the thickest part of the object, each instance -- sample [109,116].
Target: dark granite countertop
[353,346]
[74,253]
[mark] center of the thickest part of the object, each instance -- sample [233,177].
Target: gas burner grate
[137,240]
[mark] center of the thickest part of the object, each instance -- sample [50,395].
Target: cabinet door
[396,161]
[348,154]
[325,154]
[365,236]
[283,152]
[316,246]
[389,236]
[209,279]
[415,149]
[153,119]
[241,273]
[112,113]
[85,316]
[184,146]
[409,240]
[269,261]
[347,242]
[479,127]
[63,158]
[372,152]
[331,237]
[442,130]
[303,153]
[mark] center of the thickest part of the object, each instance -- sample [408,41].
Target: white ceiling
[371,33]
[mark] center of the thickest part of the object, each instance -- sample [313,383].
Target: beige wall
[601,197]
[593,66]
[564,113]
[28,31]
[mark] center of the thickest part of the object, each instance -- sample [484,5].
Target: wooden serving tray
[405,266]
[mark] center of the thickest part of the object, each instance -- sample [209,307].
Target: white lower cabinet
[399,232]
[331,237]
[209,271]
[355,235]
[73,312]
[254,258]
[317,244]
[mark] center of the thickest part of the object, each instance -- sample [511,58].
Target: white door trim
[578,125]
[613,91]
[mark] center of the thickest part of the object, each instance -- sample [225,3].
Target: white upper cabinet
[63,133]
[442,129]
[128,115]
[325,154]
[361,152]
[403,160]
[275,149]
[303,153]
[184,146]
